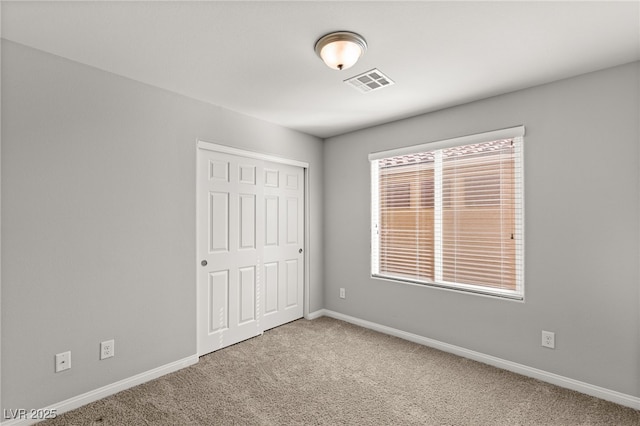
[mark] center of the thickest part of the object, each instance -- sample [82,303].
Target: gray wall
[581,231]
[98,221]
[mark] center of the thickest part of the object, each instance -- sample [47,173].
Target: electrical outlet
[63,361]
[343,294]
[107,349]
[548,339]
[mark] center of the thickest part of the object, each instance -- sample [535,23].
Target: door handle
[300,251]
[203,263]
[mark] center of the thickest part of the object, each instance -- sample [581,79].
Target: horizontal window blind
[452,216]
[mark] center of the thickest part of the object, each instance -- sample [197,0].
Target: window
[450,213]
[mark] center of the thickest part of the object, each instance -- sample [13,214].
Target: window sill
[457,288]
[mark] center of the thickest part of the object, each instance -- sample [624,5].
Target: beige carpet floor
[328,372]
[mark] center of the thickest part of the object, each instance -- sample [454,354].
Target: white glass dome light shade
[340,50]
[340,55]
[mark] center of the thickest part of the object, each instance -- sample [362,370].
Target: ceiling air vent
[370,81]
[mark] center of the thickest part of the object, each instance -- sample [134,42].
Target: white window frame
[517,133]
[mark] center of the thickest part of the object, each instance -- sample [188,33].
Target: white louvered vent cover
[370,81]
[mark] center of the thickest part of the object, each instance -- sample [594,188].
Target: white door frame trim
[251,154]
[200,144]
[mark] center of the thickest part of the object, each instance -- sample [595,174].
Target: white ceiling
[257,57]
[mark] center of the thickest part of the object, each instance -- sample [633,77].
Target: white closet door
[250,226]
[283,244]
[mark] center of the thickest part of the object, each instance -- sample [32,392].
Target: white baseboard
[103,392]
[316,314]
[565,382]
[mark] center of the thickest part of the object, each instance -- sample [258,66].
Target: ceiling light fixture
[341,49]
